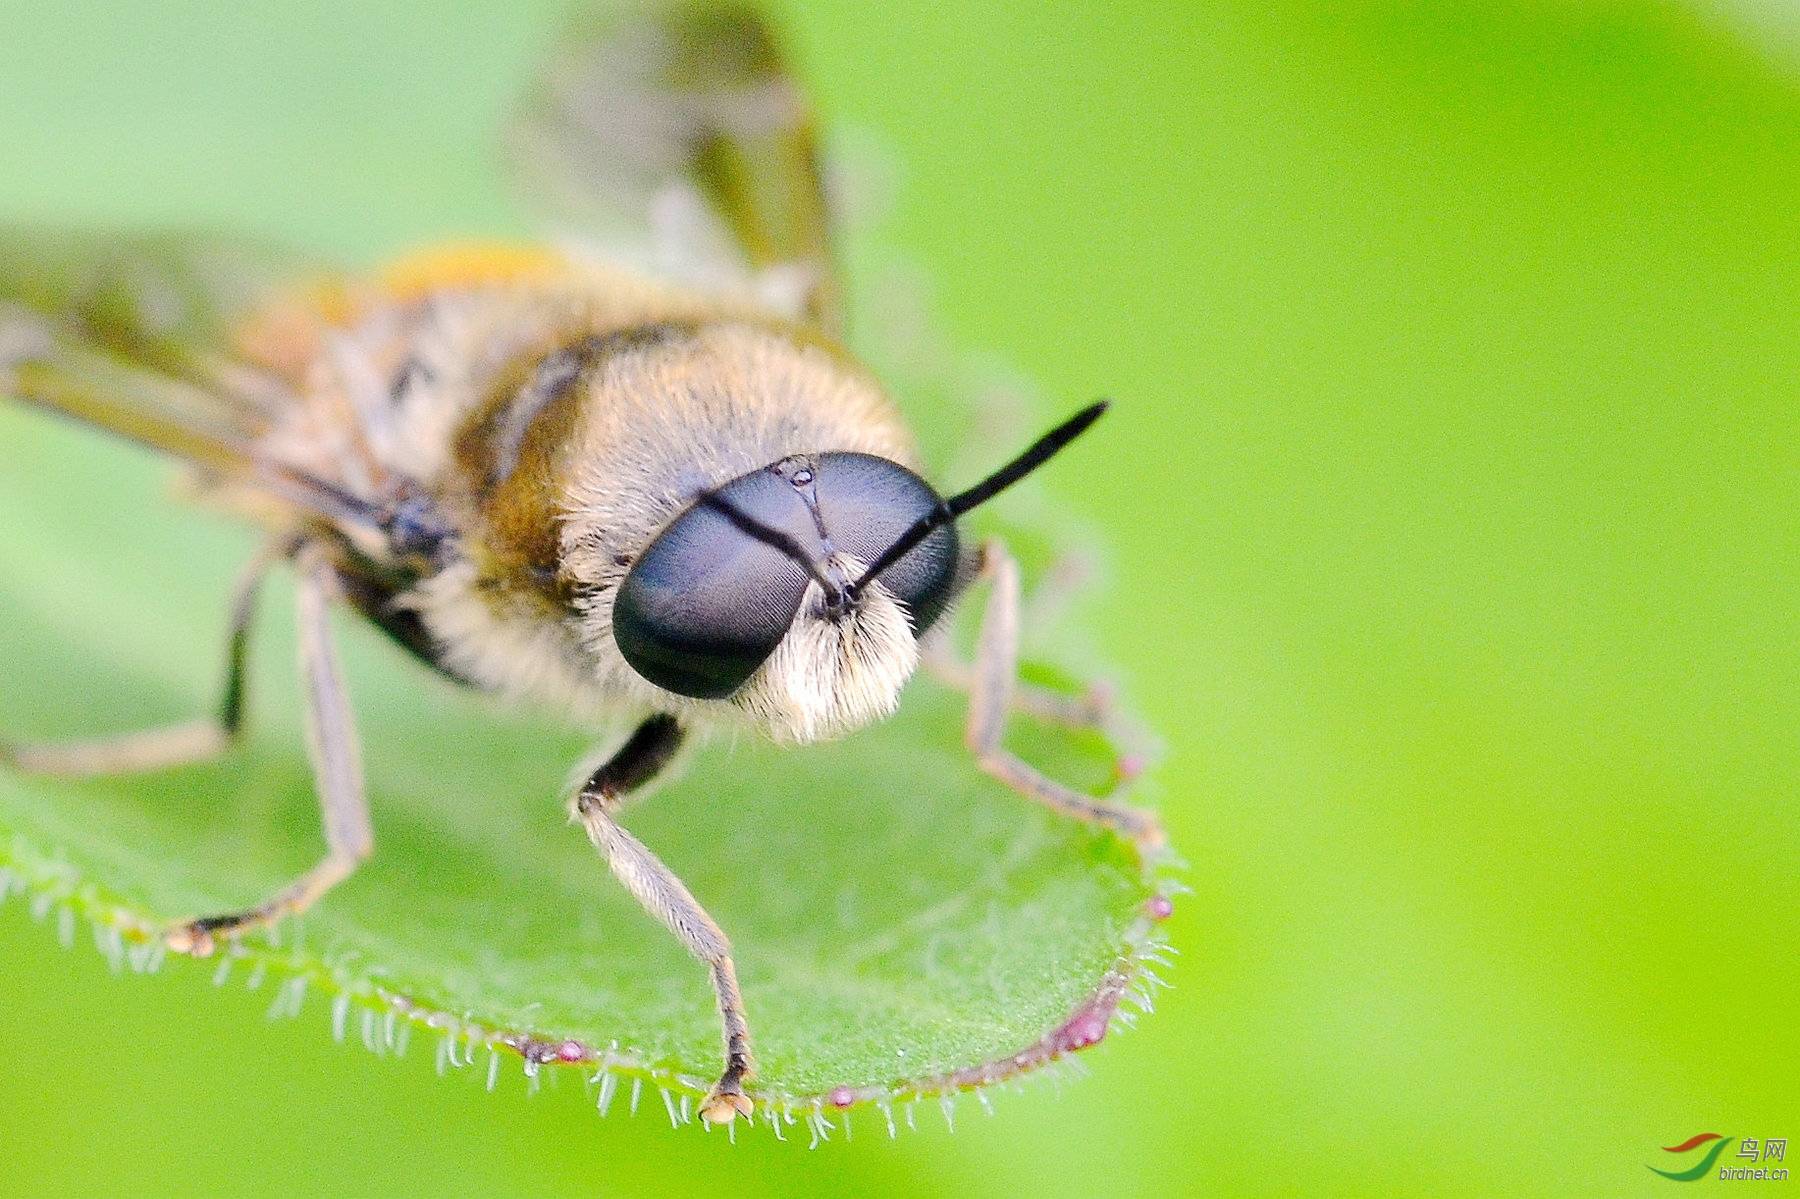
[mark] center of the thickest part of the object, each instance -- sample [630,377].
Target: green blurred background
[1452,495]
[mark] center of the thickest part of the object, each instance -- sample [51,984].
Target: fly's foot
[1146,832]
[1140,826]
[200,938]
[727,1101]
[192,938]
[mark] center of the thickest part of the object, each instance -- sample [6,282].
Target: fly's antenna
[945,511]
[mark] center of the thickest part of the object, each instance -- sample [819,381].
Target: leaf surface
[901,923]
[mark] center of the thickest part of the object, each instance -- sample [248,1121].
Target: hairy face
[833,673]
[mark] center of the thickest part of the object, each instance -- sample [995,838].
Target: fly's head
[798,592]
[780,593]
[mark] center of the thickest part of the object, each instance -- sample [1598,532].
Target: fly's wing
[673,139]
[140,335]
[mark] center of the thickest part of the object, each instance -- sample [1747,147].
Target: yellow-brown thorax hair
[555,424]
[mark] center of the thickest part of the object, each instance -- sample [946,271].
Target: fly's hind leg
[642,757]
[995,677]
[173,745]
[337,773]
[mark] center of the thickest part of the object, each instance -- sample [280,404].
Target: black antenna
[1040,452]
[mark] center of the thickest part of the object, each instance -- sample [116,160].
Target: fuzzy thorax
[833,674]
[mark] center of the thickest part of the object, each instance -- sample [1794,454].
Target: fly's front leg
[664,896]
[337,772]
[1092,708]
[1089,710]
[990,697]
[173,745]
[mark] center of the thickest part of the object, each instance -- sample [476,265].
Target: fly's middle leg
[337,773]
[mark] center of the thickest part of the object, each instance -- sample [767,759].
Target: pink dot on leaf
[1089,1028]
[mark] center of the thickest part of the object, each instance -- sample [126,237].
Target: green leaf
[901,923]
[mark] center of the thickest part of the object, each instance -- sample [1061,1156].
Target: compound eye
[869,503]
[706,603]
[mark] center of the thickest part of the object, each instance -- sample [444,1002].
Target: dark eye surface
[707,602]
[868,502]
